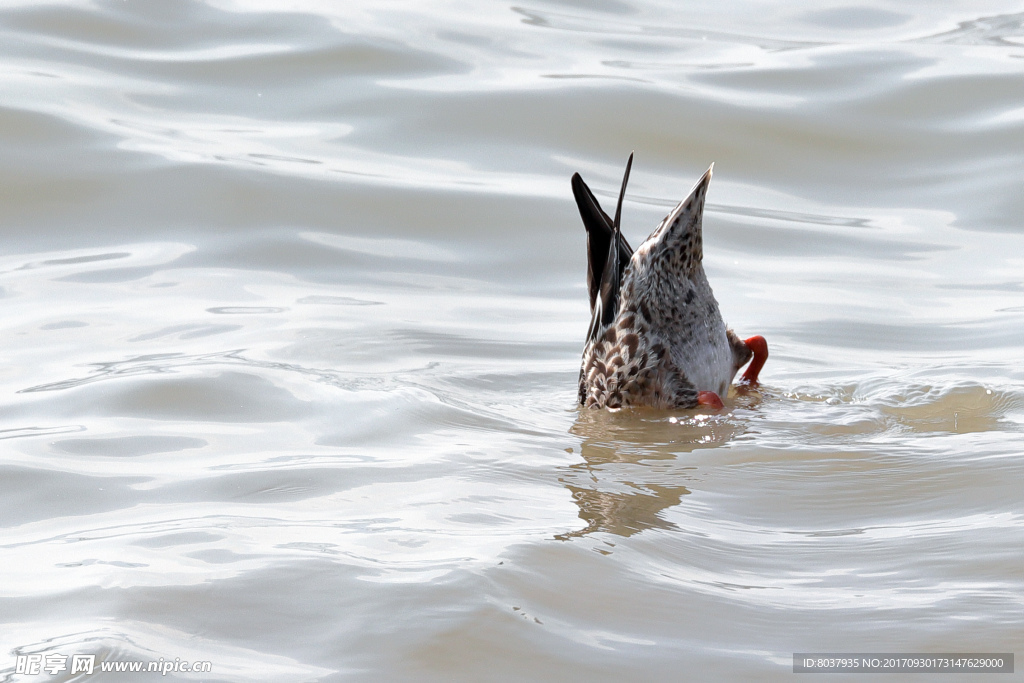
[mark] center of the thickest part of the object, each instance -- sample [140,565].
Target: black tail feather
[600,234]
[622,192]
[605,265]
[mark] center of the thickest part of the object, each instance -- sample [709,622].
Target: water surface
[294,297]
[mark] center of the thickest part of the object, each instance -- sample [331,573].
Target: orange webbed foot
[710,399]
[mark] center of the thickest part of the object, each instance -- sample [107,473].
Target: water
[294,299]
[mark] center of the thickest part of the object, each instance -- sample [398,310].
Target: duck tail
[600,235]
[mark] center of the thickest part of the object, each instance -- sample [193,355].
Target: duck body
[657,337]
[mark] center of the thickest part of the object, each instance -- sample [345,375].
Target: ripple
[961,409]
[128,446]
[999,30]
[337,301]
[244,310]
[22,432]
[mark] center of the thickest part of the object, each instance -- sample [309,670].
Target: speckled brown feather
[666,341]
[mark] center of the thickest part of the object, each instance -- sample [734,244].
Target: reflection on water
[616,487]
[624,514]
[294,300]
[631,435]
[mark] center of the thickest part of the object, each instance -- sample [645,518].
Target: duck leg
[759,347]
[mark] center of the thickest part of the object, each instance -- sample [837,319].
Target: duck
[656,337]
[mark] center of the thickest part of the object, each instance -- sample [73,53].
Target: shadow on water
[633,465]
